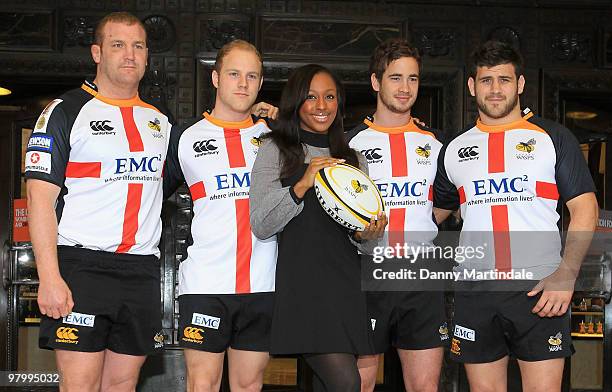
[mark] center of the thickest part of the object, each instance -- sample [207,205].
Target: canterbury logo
[371,154]
[468,152]
[100,126]
[67,333]
[358,187]
[528,146]
[424,151]
[256,141]
[204,145]
[193,333]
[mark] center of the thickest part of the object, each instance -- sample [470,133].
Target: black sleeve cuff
[295,197]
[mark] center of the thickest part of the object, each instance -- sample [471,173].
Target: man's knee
[422,384]
[203,382]
[117,384]
[486,386]
[247,383]
[74,383]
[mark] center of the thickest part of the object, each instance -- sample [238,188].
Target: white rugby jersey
[402,162]
[508,179]
[107,156]
[215,158]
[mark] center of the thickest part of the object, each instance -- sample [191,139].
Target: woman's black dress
[319,304]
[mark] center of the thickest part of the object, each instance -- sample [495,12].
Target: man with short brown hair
[402,156]
[226,283]
[508,173]
[94,175]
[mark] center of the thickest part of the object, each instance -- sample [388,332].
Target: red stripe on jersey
[243,247]
[233,142]
[197,191]
[496,152]
[83,169]
[397,217]
[461,192]
[430,194]
[130,218]
[131,130]
[547,190]
[399,160]
[501,238]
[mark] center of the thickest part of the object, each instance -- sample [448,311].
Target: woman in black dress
[320,310]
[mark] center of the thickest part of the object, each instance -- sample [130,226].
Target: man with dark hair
[402,154]
[507,174]
[226,283]
[94,170]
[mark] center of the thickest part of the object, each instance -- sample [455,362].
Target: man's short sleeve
[446,196]
[48,148]
[173,173]
[571,170]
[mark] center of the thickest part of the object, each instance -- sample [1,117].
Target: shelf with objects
[590,308]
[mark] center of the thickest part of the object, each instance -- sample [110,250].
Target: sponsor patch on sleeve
[40,143]
[38,161]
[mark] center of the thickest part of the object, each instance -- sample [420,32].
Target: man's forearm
[42,223]
[579,234]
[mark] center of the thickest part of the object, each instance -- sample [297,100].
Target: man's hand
[264,109]
[55,298]
[557,290]
[375,229]
[416,120]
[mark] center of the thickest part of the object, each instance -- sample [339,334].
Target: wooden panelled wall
[566,43]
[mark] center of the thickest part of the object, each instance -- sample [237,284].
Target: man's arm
[558,288]
[54,296]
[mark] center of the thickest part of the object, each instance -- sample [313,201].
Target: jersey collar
[228,124]
[410,126]
[92,89]
[527,114]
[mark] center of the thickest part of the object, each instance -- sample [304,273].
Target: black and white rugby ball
[348,195]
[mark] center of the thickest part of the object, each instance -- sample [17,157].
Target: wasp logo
[527,147]
[468,153]
[555,340]
[192,334]
[358,187]
[455,348]
[424,151]
[67,335]
[154,125]
[443,330]
[372,155]
[100,126]
[159,340]
[205,146]
[256,141]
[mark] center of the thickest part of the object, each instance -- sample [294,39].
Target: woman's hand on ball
[375,229]
[307,180]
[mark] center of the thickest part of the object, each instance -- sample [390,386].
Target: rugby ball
[348,195]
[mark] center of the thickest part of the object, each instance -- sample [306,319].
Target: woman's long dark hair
[286,129]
